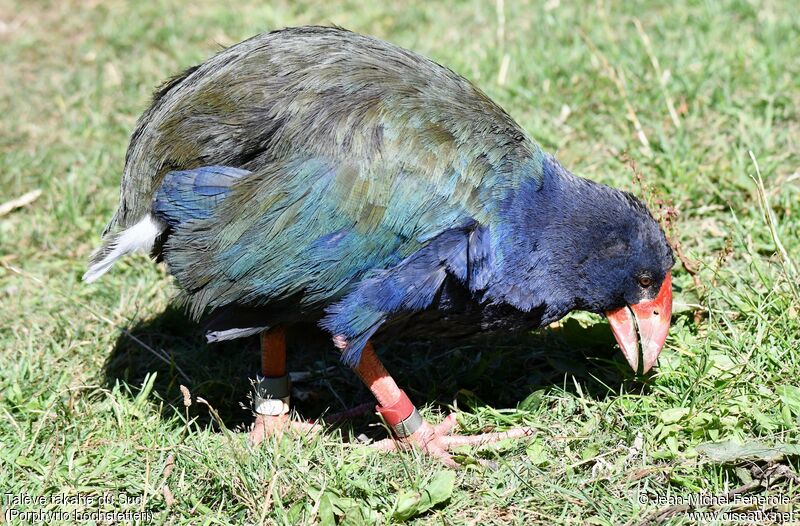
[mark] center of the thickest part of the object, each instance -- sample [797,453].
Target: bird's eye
[645,281]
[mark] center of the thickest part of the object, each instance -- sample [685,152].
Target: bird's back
[324,91]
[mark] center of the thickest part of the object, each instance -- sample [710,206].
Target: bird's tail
[140,237]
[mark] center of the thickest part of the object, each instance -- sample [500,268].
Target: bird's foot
[437,440]
[268,425]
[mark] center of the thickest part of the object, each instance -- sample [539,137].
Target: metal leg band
[408,426]
[402,416]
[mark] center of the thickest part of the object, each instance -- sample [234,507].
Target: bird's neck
[525,269]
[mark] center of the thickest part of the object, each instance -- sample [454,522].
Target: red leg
[272,390]
[273,352]
[409,429]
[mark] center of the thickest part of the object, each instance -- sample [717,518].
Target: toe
[446,425]
[258,432]
[265,426]
[433,441]
[387,444]
[451,441]
[436,451]
[303,427]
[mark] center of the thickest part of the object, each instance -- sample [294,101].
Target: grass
[89,375]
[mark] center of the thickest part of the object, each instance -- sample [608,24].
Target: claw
[436,441]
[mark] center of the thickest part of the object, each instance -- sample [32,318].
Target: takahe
[316,174]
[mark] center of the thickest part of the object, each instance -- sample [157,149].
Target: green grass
[86,409]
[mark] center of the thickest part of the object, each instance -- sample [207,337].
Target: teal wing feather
[314,227]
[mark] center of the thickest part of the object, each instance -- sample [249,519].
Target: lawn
[692,105]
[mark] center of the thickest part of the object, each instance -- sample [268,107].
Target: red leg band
[398,411]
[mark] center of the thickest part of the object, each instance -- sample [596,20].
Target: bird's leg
[408,427]
[271,396]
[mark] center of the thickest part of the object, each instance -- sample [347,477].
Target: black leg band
[271,395]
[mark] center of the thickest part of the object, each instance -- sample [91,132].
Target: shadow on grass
[500,371]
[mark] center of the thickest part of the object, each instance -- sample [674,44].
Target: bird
[316,174]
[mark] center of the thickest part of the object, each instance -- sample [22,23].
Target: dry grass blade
[161,355]
[616,77]
[772,222]
[21,201]
[662,79]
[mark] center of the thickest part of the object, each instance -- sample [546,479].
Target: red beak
[652,318]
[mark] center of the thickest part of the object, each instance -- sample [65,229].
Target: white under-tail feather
[140,237]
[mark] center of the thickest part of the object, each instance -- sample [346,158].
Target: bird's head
[579,245]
